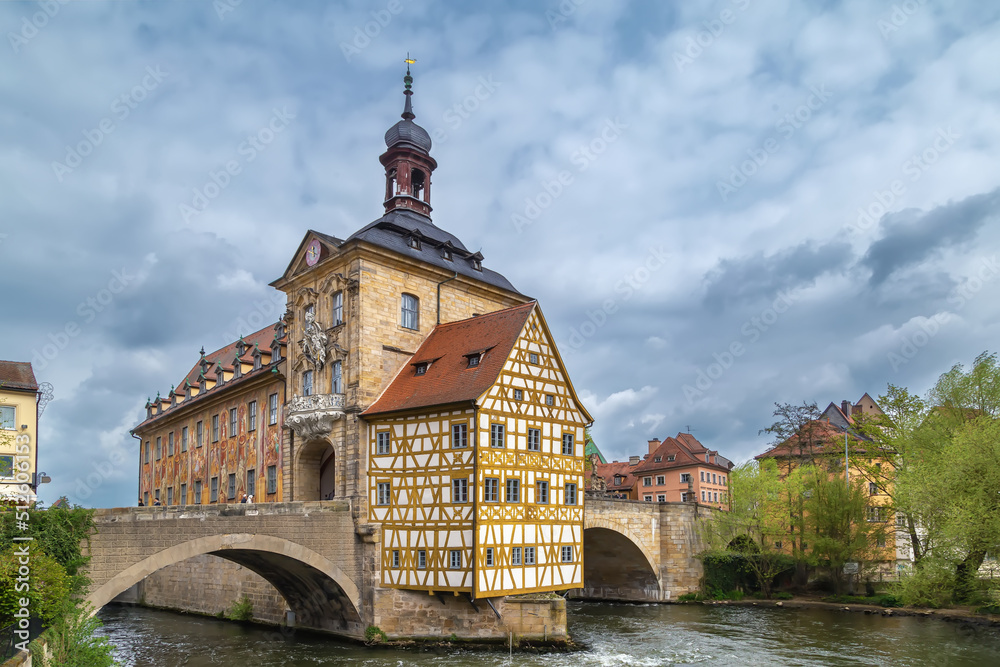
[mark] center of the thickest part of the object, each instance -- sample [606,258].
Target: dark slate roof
[17,375]
[391,231]
[408,133]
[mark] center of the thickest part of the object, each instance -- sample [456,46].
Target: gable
[329,246]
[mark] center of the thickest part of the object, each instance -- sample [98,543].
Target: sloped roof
[224,356]
[623,468]
[17,375]
[686,450]
[448,378]
[818,437]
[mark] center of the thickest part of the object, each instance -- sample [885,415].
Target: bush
[73,642]
[690,597]
[242,610]
[49,592]
[375,635]
[929,585]
[782,595]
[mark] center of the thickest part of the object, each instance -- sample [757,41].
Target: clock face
[312,252]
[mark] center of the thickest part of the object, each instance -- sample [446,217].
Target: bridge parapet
[200,512]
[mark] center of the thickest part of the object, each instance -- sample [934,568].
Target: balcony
[312,417]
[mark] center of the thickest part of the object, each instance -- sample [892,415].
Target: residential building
[19,396]
[678,469]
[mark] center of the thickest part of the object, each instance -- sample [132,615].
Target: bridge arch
[617,563]
[321,595]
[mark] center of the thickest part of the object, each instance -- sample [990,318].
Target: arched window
[338,308]
[411,312]
[336,380]
[417,179]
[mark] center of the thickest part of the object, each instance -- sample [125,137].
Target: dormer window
[670,457]
[275,351]
[220,376]
[474,359]
[421,368]
[187,390]
[446,253]
[618,480]
[237,368]
[241,347]
[657,459]
[477,265]
[202,382]
[257,358]
[414,243]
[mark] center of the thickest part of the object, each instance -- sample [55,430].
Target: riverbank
[953,614]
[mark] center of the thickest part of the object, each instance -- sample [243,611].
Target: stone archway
[615,567]
[314,472]
[321,595]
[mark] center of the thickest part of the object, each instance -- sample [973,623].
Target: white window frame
[497,436]
[534,439]
[410,312]
[9,422]
[384,493]
[383,442]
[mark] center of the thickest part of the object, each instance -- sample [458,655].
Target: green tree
[755,525]
[47,588]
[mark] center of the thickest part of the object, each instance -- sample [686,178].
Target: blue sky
[718,205]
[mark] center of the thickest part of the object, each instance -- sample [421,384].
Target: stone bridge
[323,563]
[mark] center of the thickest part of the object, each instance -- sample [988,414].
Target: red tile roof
[686,451]
[622,468]
[816,438]
[448,378]
[17,375]
[225,355]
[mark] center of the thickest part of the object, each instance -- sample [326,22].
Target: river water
[612,634]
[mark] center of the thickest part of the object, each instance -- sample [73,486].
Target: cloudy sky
[718,205]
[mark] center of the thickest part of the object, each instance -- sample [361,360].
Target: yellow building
[477,459]
[19,396]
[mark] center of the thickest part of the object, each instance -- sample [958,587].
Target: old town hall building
[404,376]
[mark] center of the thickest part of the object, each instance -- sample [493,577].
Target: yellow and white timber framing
[504,544]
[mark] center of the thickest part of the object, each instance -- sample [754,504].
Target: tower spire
[407,83]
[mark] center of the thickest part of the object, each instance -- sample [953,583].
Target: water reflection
[612,635]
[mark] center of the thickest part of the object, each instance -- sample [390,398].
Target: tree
[755,525]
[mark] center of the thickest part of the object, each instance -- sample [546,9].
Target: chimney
[653,444]
[633,460]
[846,407]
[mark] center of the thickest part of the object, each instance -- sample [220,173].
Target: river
[613,634]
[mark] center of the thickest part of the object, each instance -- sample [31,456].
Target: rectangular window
[647,481]
[156,495]
[251,482]
[199,433]
[715,496]
[459,490]
[307,383]
[170,496]
[272,479]
[145,497]
[184,439]
[723,480]
[713,479]
[8,421]
[197,492]
[272,409]
[337,309]
[459,436]
[491,490]
[231,489]
[395,557]
[880,542]
[496,435]
[215,428]
[702,475]
[474,360]
[214,491]
[382,443]
[550,399]
[410,312]
[532,357]
[232,423]
[702,496]
[515,556]
[513,490]
[159,448]
[660,480]
[489,557]
[252,416]
[518,395]
[567,445]
[384,493]
[170,443]
[534,439]
[685,477]
[184,494]
[529,555]
[872,488]
[684,497]
[146,456]
[571,494]
[874,514]
[567,554]
[455,559]
[421,559]
[542,492]
[648,499]
[336,384]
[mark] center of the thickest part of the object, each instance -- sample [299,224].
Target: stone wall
[209,584]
